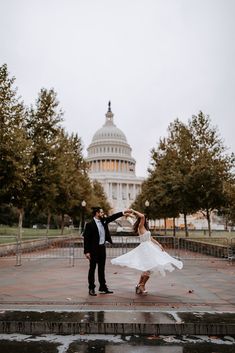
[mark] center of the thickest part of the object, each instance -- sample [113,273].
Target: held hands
[127,212]
[137,213]
[131,212]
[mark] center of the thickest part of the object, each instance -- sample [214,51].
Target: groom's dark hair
[95,209]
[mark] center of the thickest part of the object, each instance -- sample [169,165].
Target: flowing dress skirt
[148,256]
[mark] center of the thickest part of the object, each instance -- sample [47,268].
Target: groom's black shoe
[92,292]
[105,291]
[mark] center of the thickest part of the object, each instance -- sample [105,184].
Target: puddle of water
[27,347]
[115,344]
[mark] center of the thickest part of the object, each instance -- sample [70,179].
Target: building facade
[111,163]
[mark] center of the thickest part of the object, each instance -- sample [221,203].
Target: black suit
[97,252]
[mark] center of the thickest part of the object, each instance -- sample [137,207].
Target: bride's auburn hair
[137,222]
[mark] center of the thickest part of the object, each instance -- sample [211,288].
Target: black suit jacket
[91,233]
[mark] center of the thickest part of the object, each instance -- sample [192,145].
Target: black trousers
[98,258]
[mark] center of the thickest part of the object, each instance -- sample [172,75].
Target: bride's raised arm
[141,227]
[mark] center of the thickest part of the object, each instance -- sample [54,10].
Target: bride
[148,257]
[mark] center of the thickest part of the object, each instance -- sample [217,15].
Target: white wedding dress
[148,256]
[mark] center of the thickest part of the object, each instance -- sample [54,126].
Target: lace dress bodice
[145,237]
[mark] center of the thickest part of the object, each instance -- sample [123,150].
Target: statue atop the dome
[109,114]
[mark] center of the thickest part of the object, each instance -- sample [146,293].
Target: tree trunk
[165,226]
[57,222]
[209,221]
[48,222]
[185,225]
[20,223]
[174,226]
[62,224]
[226,223]
[19,237]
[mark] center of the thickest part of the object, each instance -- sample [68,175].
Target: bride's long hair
[137,222]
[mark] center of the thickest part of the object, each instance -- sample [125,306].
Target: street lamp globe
[83,203]
[147,203]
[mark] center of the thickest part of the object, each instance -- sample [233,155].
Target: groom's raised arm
[117,215]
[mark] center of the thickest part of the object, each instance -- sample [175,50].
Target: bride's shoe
[139,289]
[143,291]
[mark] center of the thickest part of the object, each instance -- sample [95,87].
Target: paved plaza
[54,284]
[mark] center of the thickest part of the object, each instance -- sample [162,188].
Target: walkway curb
[117,322]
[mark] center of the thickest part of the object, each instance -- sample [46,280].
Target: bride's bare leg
[146,276]
[137,288]
[140,288]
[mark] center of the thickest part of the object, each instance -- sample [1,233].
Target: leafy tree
[8,215]
[181,149]
[212,166]
[169,183]
[44,130]
[188,172]
[15,147]
[99,197]
[73,184]
[228,210]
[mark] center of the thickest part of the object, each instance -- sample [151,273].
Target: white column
[111,190]
[119,193]
[134,191]
[127,192]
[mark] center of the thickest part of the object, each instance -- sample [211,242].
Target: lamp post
[83,203]
[147,208]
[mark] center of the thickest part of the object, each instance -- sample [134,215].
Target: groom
[96,233]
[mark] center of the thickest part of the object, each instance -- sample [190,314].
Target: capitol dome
[111,163]
[109,144]
[109,131]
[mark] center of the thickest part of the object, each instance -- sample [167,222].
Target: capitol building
[111,163]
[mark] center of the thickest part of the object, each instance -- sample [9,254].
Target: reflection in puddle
[115,344]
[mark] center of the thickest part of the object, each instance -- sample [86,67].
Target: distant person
[96,234]
[148,257]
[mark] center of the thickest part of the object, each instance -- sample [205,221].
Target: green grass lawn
[9,234]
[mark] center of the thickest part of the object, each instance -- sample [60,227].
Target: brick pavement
[54,284]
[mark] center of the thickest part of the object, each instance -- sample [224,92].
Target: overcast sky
[156,60]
